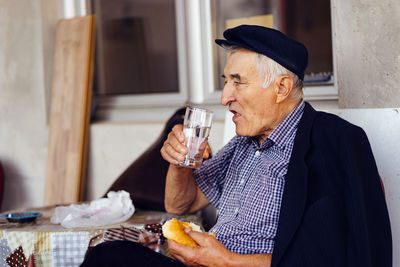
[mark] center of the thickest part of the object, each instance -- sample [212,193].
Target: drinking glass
[196,127]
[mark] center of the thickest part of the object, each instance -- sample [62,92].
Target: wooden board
[70,110]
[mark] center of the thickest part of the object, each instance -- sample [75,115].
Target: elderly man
[295,187]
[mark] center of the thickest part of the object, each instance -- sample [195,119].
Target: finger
[206,155]
[167,157]
[200,238]
[178,131]
[173,248]
[208,148]
[173,151]
[174,154]
[203,147]
[168,153]
[207,151]
[183,253]
[176,144]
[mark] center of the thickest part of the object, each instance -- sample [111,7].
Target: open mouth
[236,115]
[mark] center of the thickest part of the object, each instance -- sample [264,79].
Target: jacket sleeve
[369,241]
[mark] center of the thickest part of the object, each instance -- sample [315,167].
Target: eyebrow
[233,76]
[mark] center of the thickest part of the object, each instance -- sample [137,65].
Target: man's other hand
[209,252]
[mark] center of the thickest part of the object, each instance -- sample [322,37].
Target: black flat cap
[288,52]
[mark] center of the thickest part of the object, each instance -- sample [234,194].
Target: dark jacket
[333,209]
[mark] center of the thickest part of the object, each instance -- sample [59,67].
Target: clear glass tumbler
[196,127]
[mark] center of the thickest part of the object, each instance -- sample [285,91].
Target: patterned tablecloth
[42,243]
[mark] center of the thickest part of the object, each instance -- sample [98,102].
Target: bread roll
[175,230]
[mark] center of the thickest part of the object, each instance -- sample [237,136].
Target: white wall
[368,52]
[114,146]
[23,130]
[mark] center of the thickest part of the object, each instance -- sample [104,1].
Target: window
[136,49]
[161,53]
[139,60]
[308,21]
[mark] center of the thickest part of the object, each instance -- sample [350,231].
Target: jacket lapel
[295,192]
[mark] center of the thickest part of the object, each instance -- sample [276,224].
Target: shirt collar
[280,135]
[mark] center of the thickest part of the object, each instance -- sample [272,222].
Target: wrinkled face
[254,108]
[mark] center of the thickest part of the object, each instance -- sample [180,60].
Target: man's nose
[227,94]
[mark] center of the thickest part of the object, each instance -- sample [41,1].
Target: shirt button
[242,181]
[236,210]
[257,153]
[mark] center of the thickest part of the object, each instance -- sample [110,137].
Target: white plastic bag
[117,207]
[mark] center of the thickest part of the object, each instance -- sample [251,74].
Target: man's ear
[284,86]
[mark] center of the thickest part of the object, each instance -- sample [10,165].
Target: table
[42,243]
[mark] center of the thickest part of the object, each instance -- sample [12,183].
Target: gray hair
[272,70]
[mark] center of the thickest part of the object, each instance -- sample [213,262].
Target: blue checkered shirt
[245,182]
